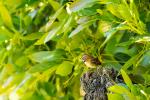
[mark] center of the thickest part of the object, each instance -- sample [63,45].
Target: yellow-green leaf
[5,16]
[64,69]
[81,27]
[115,97]
[122,90]
[113,8]
[54,4]
[125,12]
[126,78]
[118,89]
[81,4]
[53,18]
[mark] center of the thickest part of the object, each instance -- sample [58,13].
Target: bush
[42,43]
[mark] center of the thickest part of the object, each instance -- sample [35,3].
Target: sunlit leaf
[113,8]
[64,69]
[81,4]
[122,90]
[32,36]
[118,89]
[143,39]
[54,4]
[5,16]
[43,66]
[124,12]
[22,61]
[134,9]
[5,31]
[52,19]
[45,56]
[12,4]
[126,78]
[56,30]
[81,27]
[115,97]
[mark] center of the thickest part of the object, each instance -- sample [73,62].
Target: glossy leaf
[81,4]
[45,56]
[56,30]
[134,9]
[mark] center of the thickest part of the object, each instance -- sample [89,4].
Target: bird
[90,61]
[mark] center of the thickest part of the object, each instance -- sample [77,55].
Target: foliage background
[42,42]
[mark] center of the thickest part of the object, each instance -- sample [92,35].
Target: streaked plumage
[90,61]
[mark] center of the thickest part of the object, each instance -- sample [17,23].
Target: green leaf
[122,57]
[125,12]
[81,27]
[89,11]
[21,61]
[32,96]
[41,56]
[109,34]
[12,4]
[145,60]
[113,8]
[43,66]
[109,1]
[64,69]
[135,90]
[54,4]
[48,87]
[111,46]
[68,24]
[118,89]
[41,40]
[126,78]
[57,29]
[44,56]
[6,32]
[32,36]
[134,10]
[52,19]
[131,61]
[81,4]
[122,90]
[5,16]
[115,97]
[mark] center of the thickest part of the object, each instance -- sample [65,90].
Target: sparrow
[90,61]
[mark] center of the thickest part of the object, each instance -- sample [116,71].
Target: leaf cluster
[42,43]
